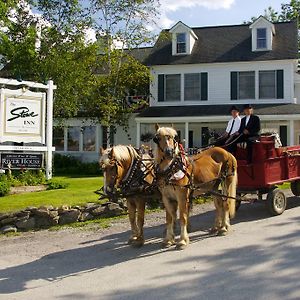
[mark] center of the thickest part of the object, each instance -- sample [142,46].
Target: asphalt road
[260,259]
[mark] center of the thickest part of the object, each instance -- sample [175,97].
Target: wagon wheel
[295,187]
[276,202]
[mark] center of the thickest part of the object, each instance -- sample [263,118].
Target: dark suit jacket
[253,125]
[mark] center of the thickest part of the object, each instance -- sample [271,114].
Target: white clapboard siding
[219,81]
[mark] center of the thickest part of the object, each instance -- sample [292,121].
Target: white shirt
[236,125]
[247,119]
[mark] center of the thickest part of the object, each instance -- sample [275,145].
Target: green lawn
[79,191]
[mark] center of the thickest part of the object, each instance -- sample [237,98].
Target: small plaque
[21,161]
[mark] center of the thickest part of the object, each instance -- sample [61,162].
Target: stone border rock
[47,216]
[27,189]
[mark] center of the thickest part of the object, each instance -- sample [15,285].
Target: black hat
[247,106]
[233,107]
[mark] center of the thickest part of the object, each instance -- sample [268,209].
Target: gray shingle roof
[141,53]
[227,44]
[217,110]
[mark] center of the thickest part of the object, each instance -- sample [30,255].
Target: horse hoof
[131,240]
[138,243]
[213,231]
[181,246]
[167,244]
[222,232]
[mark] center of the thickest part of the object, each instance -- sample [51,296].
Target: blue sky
[213,12]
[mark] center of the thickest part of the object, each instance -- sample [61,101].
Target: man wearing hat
[232,128]
[248,131]
[250,124]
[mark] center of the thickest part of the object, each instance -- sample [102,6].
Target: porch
[194,123]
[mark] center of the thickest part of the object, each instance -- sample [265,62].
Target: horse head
[116,163]
[166,139]
[109,165]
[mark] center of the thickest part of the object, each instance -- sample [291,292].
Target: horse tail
[231,185]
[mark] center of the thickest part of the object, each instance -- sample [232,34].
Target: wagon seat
[268,145]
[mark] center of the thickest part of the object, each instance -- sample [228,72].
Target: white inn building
[199,73]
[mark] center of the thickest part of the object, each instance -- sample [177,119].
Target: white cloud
[169,6]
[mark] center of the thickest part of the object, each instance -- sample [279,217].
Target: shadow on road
[111,250]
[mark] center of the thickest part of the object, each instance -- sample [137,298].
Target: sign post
[49,134]
[26,118]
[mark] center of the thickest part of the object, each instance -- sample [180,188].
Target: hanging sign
[23,114]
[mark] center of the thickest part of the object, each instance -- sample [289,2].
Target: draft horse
[180,177]
[127,173]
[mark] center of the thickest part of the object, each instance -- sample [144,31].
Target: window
[192,86]
[58,138]
[108,136]
[243,85]
[267,85]
[73,138]
[283,133]
[195,86]
[271,84]
[104,137]
[173,87]
[89,138]
[204,136]
[191,138]
[261,42]
[181,43]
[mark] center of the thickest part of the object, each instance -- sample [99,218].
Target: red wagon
[271,167]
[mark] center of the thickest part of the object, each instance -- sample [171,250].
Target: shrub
[24,177]
[68,165]
[56,185]
[4,188]
[31,177]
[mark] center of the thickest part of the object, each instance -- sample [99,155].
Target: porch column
[138,134]
[292,132]
[186,135]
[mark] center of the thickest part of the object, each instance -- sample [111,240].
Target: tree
[290,11]
[120,25]
[269,13]
[92,78]
[50,46]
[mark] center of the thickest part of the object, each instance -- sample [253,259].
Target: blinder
[156,139]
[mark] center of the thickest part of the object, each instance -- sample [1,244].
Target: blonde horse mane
[121,153]
[167,131]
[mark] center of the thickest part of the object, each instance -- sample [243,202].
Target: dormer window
[262,31]
[183,39]
[181,43]
[261,38]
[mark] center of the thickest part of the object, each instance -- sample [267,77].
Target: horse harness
[134,181]
[182,163]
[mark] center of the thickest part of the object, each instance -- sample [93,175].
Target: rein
[179,163]
[211,145]
[134,181]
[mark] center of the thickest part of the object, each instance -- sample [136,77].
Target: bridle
[178,160]
[115,164]
[133,179]
[157,139]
